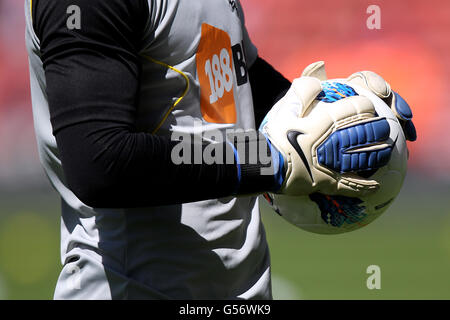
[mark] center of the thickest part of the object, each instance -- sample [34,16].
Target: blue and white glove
[400,108]
[297,125]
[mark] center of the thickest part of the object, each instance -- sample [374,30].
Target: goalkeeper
[111,82]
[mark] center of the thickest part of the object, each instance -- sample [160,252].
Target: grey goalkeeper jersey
[212,249]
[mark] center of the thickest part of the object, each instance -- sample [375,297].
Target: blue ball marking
[335,91]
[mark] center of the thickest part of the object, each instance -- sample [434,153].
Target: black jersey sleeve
[268,86]
[92,76]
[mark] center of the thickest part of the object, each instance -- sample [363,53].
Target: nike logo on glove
[292,138]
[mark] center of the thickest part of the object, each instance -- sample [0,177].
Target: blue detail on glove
[336,152]
[337,210]
[405,116]
[335,91]
[402,107]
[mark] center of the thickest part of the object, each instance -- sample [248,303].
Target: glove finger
[356,186]
[371,81]
[350,186]
[404,114]
[306,90]
[361,147]
[401,108]
[316,70]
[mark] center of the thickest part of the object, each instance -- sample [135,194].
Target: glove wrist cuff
[260,164]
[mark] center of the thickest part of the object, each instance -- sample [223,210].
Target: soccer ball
[328,214]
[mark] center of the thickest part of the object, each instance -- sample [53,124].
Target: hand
[300,129]
[401,109]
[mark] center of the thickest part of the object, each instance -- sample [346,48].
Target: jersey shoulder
[115,22]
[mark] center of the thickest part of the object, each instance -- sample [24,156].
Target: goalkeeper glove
[297,125]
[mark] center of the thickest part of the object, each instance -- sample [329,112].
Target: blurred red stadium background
[411,50]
